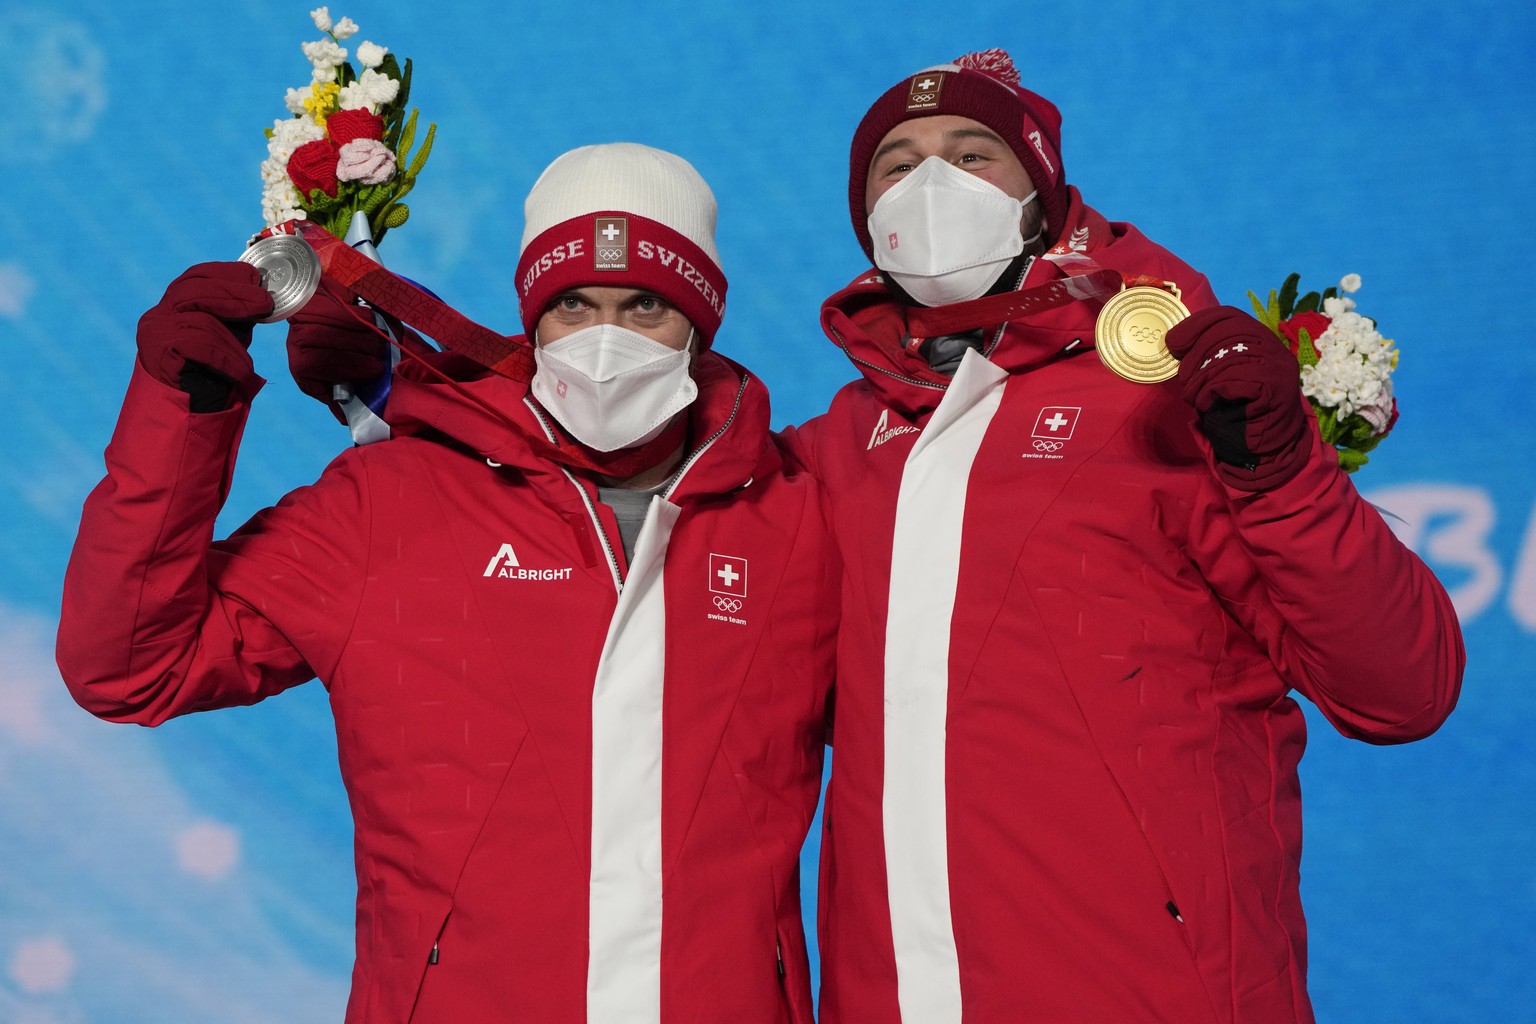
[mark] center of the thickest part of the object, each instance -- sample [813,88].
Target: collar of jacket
[870,325]
[728,440]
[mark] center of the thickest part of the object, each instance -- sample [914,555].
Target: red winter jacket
[1064,782]
[580,787]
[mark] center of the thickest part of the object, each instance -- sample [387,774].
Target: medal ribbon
[925,322]
[510,357]
[340,264]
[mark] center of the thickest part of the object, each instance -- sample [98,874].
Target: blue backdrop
[202,872]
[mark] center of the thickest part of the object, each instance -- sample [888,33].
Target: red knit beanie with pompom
[983,86]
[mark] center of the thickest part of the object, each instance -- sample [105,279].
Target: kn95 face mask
[611,387]
[945,235]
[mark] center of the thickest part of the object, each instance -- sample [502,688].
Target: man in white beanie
[575,630]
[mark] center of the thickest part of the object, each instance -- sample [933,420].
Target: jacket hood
[498,418]
[870,324]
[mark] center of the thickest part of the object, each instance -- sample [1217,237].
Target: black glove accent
[1225,425]
[207,388]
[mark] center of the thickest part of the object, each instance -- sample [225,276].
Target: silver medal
[290,272]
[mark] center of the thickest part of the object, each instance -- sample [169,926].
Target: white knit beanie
[626,215]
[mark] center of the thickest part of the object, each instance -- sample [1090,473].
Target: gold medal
[1130,331]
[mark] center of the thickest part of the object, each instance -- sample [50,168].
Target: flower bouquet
[344,154]
[1346,365]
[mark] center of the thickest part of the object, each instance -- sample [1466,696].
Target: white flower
[290,133]
[1353,373]
[280,200]
[322,16]
[320,75]
[295,98]
[1335,307]
[345,28]
[323,53]
[371,55]
[371,91]
[1350,283]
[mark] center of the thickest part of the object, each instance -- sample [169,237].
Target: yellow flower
[322,102]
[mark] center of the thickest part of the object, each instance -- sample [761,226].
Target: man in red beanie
[1064,783]
[576,632]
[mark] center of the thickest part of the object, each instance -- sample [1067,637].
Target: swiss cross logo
[610,244]
[728,575]
[1053,427]
[1056,422]
[924,91]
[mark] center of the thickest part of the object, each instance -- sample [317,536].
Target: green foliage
[1350,460]
[392,213]
[1286,303]
[1352,437]
[1268,313]
[1288,296]
[1306,352]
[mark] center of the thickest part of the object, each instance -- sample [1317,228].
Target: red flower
[346,125]
[312,166]
[1313,323]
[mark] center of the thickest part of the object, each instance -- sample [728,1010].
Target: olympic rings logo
[1049,446]
[1146,334]
[728,604]
[610,255]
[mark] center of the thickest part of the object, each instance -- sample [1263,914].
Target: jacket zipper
[880,369]
[586,500]
[998,337]
[698,452]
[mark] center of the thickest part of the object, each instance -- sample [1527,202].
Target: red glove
[196,337]
[330,343]
[1245,385]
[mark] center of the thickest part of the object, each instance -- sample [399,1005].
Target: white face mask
[946,235]
[611,387]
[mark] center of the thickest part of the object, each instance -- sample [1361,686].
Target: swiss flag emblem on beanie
[610,245]
[925,90]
